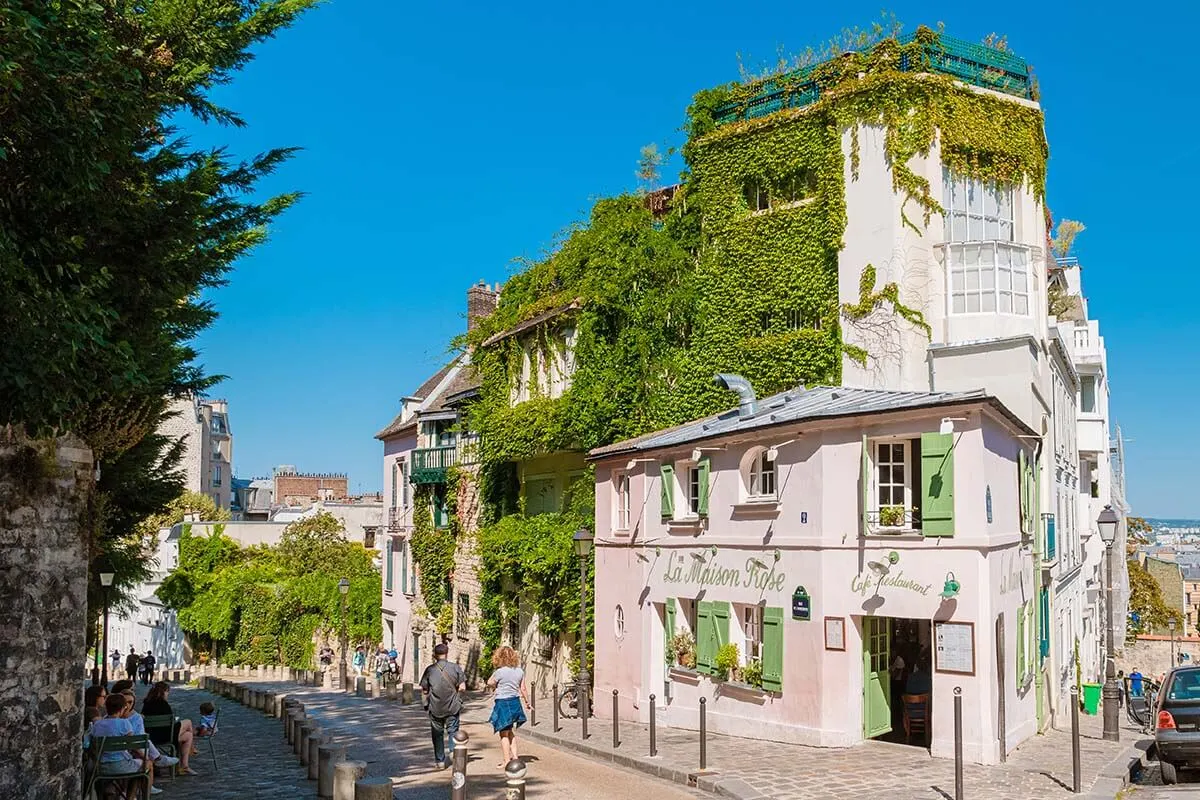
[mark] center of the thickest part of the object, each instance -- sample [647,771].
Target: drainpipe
[1039,680]
[747,402]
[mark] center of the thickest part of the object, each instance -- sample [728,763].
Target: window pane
[975,198]
[975,228]
[973,281]
[1005,278]
[1003,256]
[1005,233]
[1018,279]
[885,496]
[1021,304]
[1006,204]
[972,304]
[958,227]
[958,304]
[949,188]
[885,472]
[989,301]
[991,202]
[987,280]
[991,228]
[898,473]
[970,255]
[1006,302]
[987,255]
[956,279]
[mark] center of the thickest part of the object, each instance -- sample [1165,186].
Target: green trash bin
[1091,698]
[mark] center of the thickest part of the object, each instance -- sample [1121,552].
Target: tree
[1146,600]
[314,544]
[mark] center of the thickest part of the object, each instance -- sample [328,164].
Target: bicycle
[568,704]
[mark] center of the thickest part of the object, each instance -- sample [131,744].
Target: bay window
[988,277]
[976,211]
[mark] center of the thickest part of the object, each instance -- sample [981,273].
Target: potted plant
[727,661]
[752,673]
[891,516]
[683,648]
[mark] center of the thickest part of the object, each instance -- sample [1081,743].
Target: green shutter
[668,490]
[865,478]
[772,649]
[1020,645]
[404,567]
[937,484]
[704,468]
[720,617]
[669,630]
[387,563]
[705,635]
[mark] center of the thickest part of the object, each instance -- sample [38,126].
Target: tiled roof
[533,322]
[423,391]
[801,404]
[455,378]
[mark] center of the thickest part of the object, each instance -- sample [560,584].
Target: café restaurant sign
[868,583]
[683,568]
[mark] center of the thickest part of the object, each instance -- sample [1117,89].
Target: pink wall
[395,605]
[815,527]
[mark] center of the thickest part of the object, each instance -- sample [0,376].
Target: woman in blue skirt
[508,680]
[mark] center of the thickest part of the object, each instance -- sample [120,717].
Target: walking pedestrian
[131,664]
[441,687]
[508,680]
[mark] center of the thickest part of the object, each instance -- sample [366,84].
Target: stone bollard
[373,789]
[268,706]
[376,689]
[297,720]
[360,687]
[391,689]
[295,716]
[327,679]
[328,757]
[345,775]
[307,730]
[261,670]
[314,753]
[257,699]
[406,694]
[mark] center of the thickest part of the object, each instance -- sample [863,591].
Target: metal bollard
[581,705]
[703,732]
[1076,779]
[616,722]
[458,776]
[958,744]
[554,707]
[533,706]
[653,731]
[514,784]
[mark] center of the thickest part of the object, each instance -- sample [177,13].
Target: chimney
[481,302]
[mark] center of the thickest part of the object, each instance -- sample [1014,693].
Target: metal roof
[801,404]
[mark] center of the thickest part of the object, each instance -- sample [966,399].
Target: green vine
[432,550]
[869,300]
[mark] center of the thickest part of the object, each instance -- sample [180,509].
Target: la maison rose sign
[692,568]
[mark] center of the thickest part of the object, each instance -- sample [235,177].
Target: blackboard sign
[801,604]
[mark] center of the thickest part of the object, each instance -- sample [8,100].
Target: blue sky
[442,141]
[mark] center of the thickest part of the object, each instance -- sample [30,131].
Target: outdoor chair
[212,752]
[916,712]
[167,723]
[130,785]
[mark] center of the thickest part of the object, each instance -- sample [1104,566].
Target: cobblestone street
[255,761]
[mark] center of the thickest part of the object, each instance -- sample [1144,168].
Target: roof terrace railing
[977,64]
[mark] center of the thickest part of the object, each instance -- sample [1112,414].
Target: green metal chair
[209,738]
[164,722]
[134,781]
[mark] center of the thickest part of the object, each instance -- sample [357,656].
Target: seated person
[116,723]
[139,727]
[156,704]
[208,720]
[919,680]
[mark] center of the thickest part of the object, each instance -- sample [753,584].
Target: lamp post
[106,579]
[1107,524]
[344,589]
[583,548]
[1171,629]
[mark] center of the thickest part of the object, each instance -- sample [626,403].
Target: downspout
[1039,680]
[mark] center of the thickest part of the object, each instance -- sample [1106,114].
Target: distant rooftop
[976,64]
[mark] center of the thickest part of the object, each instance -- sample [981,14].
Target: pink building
[857,547]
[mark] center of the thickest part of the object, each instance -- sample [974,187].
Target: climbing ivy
[432,548]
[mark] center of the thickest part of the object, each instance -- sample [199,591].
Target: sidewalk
[747,769]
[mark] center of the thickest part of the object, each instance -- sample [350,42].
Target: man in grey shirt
[441,686]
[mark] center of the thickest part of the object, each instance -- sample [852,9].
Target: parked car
[1177,722]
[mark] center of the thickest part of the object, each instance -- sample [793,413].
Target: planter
[683,673]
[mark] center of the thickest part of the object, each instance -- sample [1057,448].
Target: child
[208,720]
[122,762]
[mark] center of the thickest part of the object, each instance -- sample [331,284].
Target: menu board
[955,647]
[835,633]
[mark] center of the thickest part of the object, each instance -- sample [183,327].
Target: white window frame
[759,466]
[688,481]
[622,505]
[1095,382]
[975,286]
[751,624]
[977,211]
[216,475]
[875,463]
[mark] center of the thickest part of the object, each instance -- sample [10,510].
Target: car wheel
[1169,774]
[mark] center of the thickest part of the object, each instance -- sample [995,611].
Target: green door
[877,683]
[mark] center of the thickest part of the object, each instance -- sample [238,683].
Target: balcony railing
[429,464]
[966,61]
[893,519]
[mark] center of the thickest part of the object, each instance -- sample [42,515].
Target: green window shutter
[772,649]
[937,484]
[668,490]
[865,477]
[704,467]
[669,630]
[1023,490]
[1020,645]
[705,634]
[720,617]
[387,563]
[404,567]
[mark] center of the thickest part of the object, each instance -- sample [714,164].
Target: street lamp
[344,589]
[583,548]
[1107,524]
[1171,628]
[106,579]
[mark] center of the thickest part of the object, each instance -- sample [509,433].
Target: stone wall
[43,614]
[304,489]
[1151,655]
[465,641]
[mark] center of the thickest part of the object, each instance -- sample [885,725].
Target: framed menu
[835,633]
[955,645]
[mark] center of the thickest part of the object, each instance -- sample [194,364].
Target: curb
[708,780]
[1120,772]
